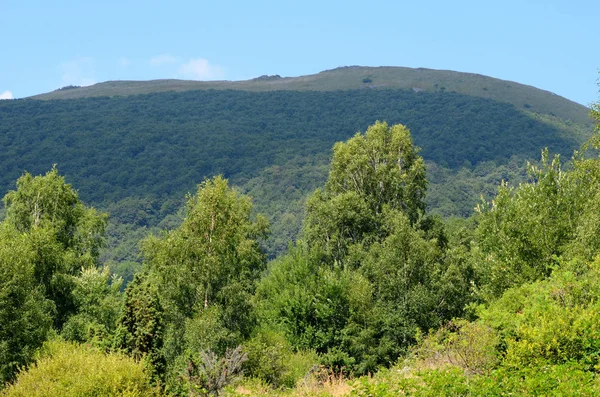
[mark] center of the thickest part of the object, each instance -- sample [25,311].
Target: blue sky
[549,44]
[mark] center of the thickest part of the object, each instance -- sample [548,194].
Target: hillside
[355,77]
[137,155]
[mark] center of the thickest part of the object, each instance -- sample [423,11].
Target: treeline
[136,157]
[163,143]
[505,300]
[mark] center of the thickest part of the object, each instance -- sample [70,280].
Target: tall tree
[64,233]
[216,244]
[369,173]
[25,315]
[383,167]
[373,268]
[206,270]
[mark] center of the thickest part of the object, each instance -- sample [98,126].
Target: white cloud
[79,71]
[164,59]
[124,62]
[6,95]
[201,69]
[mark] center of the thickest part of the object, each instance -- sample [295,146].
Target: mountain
[136,148]
[356,77]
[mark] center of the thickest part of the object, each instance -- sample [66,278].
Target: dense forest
[137,156]
[162,143]
[309,259]
[504,302]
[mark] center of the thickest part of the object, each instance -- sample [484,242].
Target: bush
[270,358]
[554,321]
[543,380]
[67,369]
[212,374]
[470,346]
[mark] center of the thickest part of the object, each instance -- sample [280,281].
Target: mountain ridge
[138,154]
[522,96]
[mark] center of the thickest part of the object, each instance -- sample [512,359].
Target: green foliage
[204,273]
[554,321]
[67,369]
[25,315]
[312,304]
[48,201]
[370,173]
[373,271]
[140,329]
[64,234]
[156,147]
[336,222]
[271,359]
[523,231]
[471,346]
[98,299]
[382,167]
[372,274]
[544,380]
[215,245]
[207,331]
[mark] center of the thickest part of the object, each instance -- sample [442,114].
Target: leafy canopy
[369,173]
[65,235]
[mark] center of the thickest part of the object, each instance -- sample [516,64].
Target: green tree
[65,235]
[310,302]
[523,231]
[140,331]
[585,182]
[416,284]
[98,300]
[206,270]
[373,269]
[216,244]
[25,315]
[383,167]
[380,169]
[48,201]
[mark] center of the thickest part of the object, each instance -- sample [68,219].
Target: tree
[48,201]
[140,332]
[311,303]
[205,271]
[372,268]
[64,234]
[383,167]
[216,244]
[98,300]
[369,173]
[25,315]
[585,182]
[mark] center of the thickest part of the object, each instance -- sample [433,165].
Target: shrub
[68,369]
[467,345]
[212,374]
[554,321]
[270,358]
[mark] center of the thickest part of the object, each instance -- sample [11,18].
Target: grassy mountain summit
[522,96]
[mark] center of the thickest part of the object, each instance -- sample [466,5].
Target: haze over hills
[136,148]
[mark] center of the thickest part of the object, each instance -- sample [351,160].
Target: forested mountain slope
[357,77]
[503,302]
[138,154]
